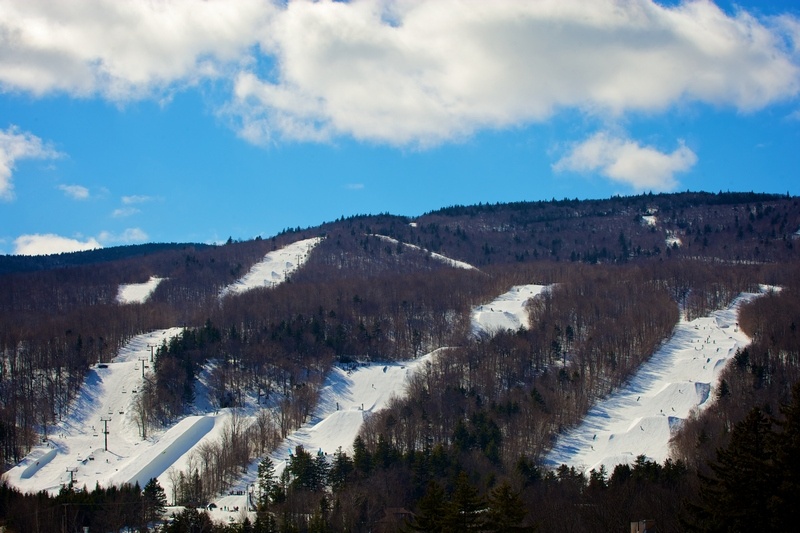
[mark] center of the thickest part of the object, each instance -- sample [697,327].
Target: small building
[394,519]
[643,526]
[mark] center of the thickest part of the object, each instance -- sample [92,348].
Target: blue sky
[178,121]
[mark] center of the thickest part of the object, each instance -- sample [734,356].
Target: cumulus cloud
[49,243]
[626,161]
[76,192]
[122,50]
[408,72]
[14,146]
[422,73]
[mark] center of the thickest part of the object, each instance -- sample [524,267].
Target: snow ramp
[156,460]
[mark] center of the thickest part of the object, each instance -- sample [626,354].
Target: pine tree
[430,510]
[154,500]
[362,459]
[266,481]
[463,513]
[784,508]
[341,470]
[506,511]
[737,497]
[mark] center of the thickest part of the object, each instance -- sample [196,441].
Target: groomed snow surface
[275,268]
[137,293]
[641,417]
[75,447]
[507,311]
[438,257]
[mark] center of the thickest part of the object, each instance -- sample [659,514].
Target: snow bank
[640,418]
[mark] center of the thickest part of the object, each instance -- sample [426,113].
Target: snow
[637,419]
[649,220]
[75,447]
[641,417]
[507,311]
[673,240]
[349,395]
[137,293]
[439,257]
[77,442]
[275,268]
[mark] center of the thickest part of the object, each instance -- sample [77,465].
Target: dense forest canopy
[468,436]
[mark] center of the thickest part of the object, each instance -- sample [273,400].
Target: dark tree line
[101,509]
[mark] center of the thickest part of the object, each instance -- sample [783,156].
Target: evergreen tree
[463,513]
[154,501]
[266,481]
[190,521]
[737,497]
[430,510]
[341,470]
[506,511]
[784,508]
[362,459]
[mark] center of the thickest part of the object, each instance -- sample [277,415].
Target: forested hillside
[466,441]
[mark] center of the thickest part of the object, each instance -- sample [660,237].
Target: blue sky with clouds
[178,120]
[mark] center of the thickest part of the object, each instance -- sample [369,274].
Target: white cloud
[48,243]
[136,199]
[76,192]
[405,72]
[626,161]
[122,50]
[439,71]
[129,236]
[16,145]
[123,212]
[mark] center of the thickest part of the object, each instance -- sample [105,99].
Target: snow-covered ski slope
[137,293]
[75,447]
[507,311]
[274,268]
[438,257]
[640,418]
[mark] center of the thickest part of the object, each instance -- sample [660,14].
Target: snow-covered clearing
[439,257]
[640,418]
[274,268]
[649,220]
[672,239]
[137,293]
[507,311]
